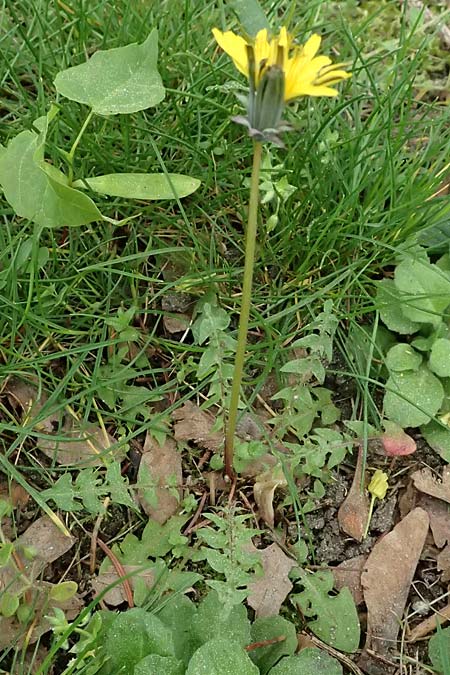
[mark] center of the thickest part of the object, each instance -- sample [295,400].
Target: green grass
[365,167]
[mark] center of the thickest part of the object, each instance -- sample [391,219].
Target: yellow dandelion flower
[305,74]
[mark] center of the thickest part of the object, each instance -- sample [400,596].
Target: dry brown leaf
[443,563]
[193,424]
[161,465]
[386,581]
[270,591]
[12,632]
[14,494]
[425,481]
[176,324]
[439,515]
[354,510]
[264,491]
[116,595]
[79,443]
[48,544]
[348,575]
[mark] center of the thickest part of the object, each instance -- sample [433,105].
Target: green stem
[369,517]
[71,153]
[250,244]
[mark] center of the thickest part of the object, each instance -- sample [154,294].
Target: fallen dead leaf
[116,595]
[12,632]
[69,441]
[348,575]
[176,324]
[439,515]
[395,441]
[425,481]
[268,593]
[194,424]
[443,563]
[354,510]
[14,494]
[161,466]
[386,581]
[264,491]
[47,543]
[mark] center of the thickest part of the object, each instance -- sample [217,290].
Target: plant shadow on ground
[122,337]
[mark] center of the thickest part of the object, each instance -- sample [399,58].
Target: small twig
[94,536]
[334,652]
[428,625]
[196,515]
[264,643]
[120,571]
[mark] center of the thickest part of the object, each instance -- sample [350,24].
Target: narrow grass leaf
[151,186]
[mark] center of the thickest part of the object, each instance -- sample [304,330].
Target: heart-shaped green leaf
[221,656]
[310,660]
[32,189]
[142,185]
[121,80]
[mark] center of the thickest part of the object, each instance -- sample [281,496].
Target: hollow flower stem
[250,244]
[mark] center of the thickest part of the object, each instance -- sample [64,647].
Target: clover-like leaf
[440,357]
[425,289]
[412,398]
[121,80]
[403,357]
[390,303]
[151,186]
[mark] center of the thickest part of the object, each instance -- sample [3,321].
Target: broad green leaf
[35,194]
[310,661]
[133,635]
[389,302]
[159,665]
[403,357]
[333,618]
[6,550]
[9,602]
[210,621]
[212,320]
[268,628]
[412,398]
[440,357]
[63,494]
[142,185]
[118,486]
[178,615]
[221,656]
[426,290]
[121,80]
[439,650]
[251,15]
[438,438]
[63,591]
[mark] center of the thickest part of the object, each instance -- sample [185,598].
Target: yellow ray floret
[305,73]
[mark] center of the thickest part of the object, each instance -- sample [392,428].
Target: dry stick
[429,624]
[196,515]
[94,536]
[120,571]
[334,652]
[264,643]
